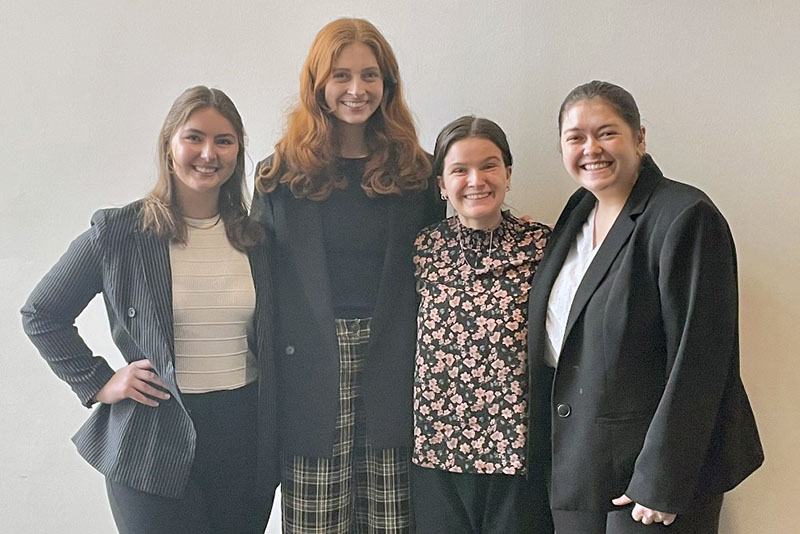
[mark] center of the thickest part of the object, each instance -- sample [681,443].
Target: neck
[351,140]
[199,206]
[488,223]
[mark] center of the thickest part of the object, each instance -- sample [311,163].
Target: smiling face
[203,152]
[475,180]
[600,150]
[355,88]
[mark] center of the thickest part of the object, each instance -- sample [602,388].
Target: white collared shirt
[579,258]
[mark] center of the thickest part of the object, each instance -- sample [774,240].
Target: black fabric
[308,356]
[220,496]
[703,519]
[464,503]
[354,230]
[647,399]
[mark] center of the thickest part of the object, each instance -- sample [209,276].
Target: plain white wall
[86,84]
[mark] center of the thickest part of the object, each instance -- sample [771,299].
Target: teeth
[476,196]
[205,169]
[355,104]
[596,166]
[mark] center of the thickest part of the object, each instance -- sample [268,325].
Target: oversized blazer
[307,349]
[145,448]
[647,399]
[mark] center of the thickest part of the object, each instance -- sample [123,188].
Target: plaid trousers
[359,489]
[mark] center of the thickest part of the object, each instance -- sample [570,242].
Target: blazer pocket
[624,418]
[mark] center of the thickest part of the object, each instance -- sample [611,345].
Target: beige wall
[86,84]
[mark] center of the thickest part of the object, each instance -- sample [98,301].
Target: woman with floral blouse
[471,469]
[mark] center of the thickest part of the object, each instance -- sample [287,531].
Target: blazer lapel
[569,224]
[615,240]
[304,231]
[154,257]
[393,266]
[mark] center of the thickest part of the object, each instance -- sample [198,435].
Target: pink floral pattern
[471,380]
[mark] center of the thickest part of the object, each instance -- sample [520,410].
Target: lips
[355,104]
[477,196]
[595,165]
[202,169]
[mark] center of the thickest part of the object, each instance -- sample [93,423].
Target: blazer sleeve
[48,316]
[697,281]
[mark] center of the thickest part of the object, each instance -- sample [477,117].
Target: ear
[442,190]
[641,145]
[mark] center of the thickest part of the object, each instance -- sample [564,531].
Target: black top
[354,230]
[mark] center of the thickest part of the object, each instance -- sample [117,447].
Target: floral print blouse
[471,378]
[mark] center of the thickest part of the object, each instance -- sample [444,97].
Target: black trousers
[702,519]
[220,496]
[464,503]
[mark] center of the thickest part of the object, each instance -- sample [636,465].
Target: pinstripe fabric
[360,489]
[148,449]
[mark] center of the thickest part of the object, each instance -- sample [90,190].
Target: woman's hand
[645,514]
[135,381]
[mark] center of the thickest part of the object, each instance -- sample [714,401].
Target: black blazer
[148,449]
[307,353]
[647,399]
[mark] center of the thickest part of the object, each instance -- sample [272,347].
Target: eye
[490,166]
[371,76]
[227,141]
[571,139]
[341,76]
[458,170]
[607,133]
[192,137]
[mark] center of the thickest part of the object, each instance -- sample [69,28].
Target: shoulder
[434,235]
[118,220]
[526,230]
[674,200]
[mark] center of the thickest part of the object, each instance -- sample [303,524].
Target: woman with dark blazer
[343,197]
[185,432]
[634,321]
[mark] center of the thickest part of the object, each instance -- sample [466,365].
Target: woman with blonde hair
[185,432]
[343,196]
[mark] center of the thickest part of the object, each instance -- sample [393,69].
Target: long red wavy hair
[305,155]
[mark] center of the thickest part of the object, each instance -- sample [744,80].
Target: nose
[474,177]
[356,86]
[591,146]
[208,151]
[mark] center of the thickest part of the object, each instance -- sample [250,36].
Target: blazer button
[289,350]
[563,410]
[131,312]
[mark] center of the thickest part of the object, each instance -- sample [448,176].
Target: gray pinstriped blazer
[148,449]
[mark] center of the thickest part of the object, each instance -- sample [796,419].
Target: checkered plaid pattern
[359,490]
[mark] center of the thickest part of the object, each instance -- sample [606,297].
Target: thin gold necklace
[204,227]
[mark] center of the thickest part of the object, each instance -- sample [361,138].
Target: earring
[441,194]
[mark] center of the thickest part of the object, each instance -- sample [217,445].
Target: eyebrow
[490,158]
[609,125]
[196,131]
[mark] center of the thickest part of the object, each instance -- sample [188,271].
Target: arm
[48,319]
[699,305]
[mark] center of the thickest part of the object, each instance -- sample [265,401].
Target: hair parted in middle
[467,127]
[161,210]
[304,157]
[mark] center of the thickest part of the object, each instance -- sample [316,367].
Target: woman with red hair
[344,195]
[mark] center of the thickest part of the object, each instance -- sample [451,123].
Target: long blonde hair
[306,153]
[161,213]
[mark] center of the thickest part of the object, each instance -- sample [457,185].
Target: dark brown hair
[614,95]
[464,128]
